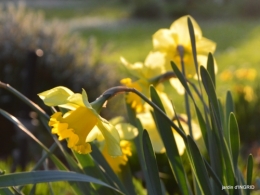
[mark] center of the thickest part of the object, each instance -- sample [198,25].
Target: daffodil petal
[126,131]
[180,27]
[204,46]
[111,136]
[163,40]
[85,99]
[55,96]
[95,134]
[116,120]
[76,98]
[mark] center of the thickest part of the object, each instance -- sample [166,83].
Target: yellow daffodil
[175,42]
[133,99]
[149,124]
[126,132]
[76,124]
[143,72]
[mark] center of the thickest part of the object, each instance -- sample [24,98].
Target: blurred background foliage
[78,44]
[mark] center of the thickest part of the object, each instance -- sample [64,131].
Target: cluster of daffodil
[80,122]
[171,44]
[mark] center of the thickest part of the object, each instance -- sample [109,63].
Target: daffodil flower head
[151,67]
[78,123]
[176,45]
[126,132]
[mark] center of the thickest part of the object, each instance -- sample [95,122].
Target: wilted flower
[175,44]
[76,124]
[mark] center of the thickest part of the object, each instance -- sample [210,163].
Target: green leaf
[210,90]
[34,177]
[16,122]
[234,139]
[170,145]
[229,109]
[6,191]
[249,173]
[151,165]
[211,68]
[199,167]
[30,103]
[203,127]
[76,187]
[127,179]
[138,143]
[193,44]
[108,172]
[181,78]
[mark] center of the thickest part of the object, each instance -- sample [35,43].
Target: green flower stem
[30,103]
[181,51]
[163,77]
[121,89]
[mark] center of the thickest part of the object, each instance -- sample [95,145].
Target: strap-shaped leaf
[229,109]
[138,143]
[151,165]
[211,68]
[6,191]
[166,133]
[210,90]
[199,167]
[234,138]
[193,44]
[34,177]
[249,173]
[109,173]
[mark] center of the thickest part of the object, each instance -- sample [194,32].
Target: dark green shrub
[36,55]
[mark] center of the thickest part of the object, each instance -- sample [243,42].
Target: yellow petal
[95,133]
[180,27]
[163,40]
[205,46]
[76,99]
[116,162]
[111,136]
[126,131]
[55,96]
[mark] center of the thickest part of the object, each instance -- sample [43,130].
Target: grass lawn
[108,22]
